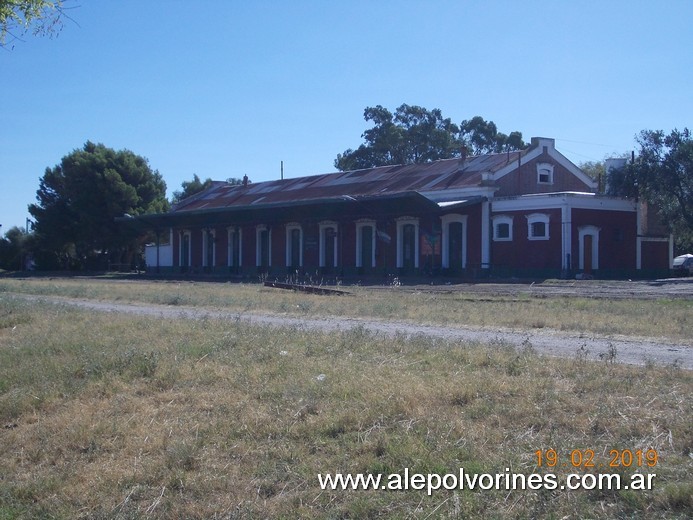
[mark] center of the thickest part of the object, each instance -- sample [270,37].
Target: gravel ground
[629,350]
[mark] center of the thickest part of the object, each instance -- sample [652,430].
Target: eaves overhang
[345,206]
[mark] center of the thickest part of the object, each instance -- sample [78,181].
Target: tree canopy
[20,16]
[196,185]
[481,136]
[78,200]
[594,169]
[190,188]
[414,134]
[662,174]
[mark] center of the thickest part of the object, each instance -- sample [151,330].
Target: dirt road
[637,351]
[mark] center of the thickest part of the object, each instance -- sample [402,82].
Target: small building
[530,213]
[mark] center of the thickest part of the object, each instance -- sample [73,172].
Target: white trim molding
[360,224]
[258,245]
[541,145]
[593,231]
[537,218]
[445,249]
[293,226]
[486,235]
[566,236]
[502,219]
[323,230]
[544,173]
[576,200]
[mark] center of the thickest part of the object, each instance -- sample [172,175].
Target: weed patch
[113,416]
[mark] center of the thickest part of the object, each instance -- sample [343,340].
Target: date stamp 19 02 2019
[585,458]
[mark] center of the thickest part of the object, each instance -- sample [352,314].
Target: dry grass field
[104,415]
[657,318]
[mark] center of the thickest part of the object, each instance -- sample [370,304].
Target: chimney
[462,159]
[546,142]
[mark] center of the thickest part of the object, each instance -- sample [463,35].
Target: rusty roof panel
[433,176]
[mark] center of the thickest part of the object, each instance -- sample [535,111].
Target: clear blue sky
[227,88]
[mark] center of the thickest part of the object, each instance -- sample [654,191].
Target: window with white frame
[538,226]
[263,246]
[294,245]
[545,173]
[365,243]
[328,244]
[454,241]
[502,228]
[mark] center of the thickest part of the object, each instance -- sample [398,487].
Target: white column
[567,234]
[485,235]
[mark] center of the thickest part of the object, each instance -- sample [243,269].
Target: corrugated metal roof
[384,180]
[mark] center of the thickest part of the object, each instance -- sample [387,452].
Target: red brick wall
[522,253]
[222,247]
[175,244]
[474,236]
[346,246]
[655,255]
[248,247]
[524,180]
[617,237]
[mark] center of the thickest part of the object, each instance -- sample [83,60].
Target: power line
[580,155]
[584,142]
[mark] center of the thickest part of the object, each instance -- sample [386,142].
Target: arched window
[545,173]
[588,240]
[328,244]
[263,246]
[294,245]
[502,228]
[365,243]
[454,246]
[537,226]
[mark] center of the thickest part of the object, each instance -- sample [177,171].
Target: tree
[414,134]
[594,169]
[483,137]
[662,174]
[17,17]
[13,249]
[190,188]
[597,170]
[78,200]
